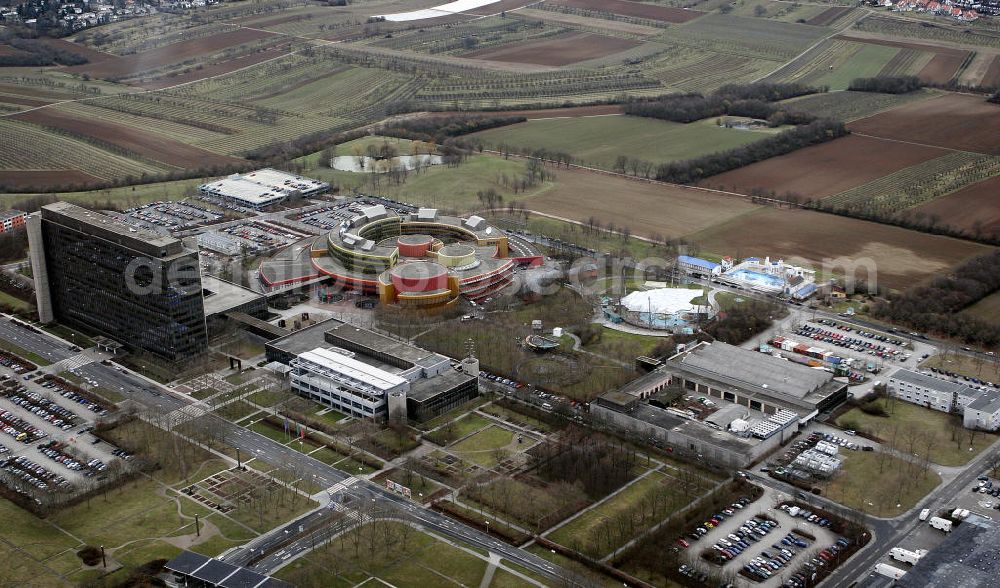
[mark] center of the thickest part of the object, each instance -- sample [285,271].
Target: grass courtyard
[879,484]
[916,429]
[401,556]
[483,447]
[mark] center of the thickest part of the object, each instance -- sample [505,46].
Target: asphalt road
[141,391]
[40,343]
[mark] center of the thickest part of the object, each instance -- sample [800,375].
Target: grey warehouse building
[763,400]
[102,275]
[368,375]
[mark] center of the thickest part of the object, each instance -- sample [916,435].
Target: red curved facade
[414,245]
[419,277]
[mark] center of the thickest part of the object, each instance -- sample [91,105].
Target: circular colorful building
[422,259]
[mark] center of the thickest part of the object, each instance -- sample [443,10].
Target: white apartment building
[983,412]
[931,392]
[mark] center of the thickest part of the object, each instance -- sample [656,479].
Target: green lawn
[598,141]
[876,482]
[948,440]
[415,560]
[456,429]
[69,334]
[136,511]
[619,344]
[866,63]
[581,531]
[439,186]
[481,447]
[16,303]
[35,536]
[987,309]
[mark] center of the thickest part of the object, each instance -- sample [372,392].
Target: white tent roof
[662,301]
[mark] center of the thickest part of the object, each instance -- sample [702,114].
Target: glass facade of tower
[115,286]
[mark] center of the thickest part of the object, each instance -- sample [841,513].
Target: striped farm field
[27,147]
[705,71]
[866,62]
[915,185]
[752,37]
[827,169]
[848,106]
[907,62]
[134,141]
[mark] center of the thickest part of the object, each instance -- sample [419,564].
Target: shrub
[887,85]
[89,555]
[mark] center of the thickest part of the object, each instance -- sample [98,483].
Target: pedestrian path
[71,363]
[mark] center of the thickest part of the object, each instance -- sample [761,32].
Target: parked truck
[907,556]
[889,571]
[940,524]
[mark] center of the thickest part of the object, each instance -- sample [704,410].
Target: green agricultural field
[848,106]
[912,186]
[867,62]
[599,141]
[752,37]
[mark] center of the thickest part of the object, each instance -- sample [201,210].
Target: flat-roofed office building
[102,275]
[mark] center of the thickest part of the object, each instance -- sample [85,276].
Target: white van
[924,514]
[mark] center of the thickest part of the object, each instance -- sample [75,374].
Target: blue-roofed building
[807,290]
[696,265]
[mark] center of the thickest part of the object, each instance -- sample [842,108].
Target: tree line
[887,85]
[935,306]
[35,51]
[754,101]
[698,168]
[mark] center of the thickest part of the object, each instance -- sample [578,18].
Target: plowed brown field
[824,170]
[147,145]
[900,257]
[978,203]
[44,179]
[953,121]
[637,9]
[559,50]
[148,60]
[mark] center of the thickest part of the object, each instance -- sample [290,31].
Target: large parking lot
[169,216]
[44,426]
[765,546]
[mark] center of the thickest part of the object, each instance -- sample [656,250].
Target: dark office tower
[135,286]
